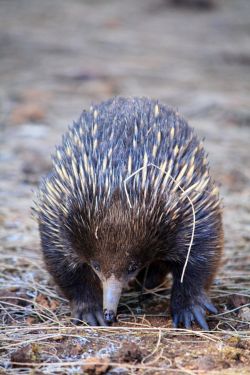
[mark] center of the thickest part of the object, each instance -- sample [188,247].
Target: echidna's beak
[112,289]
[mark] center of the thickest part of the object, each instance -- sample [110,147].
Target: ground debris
[46,302]
[16,297]
[244,314]
[131,353]
[237,300]
[96,366]
[206,363]
[27,354]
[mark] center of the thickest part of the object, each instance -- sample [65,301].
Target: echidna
[130,187]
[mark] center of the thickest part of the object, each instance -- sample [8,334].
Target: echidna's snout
[109,316]
[112,289]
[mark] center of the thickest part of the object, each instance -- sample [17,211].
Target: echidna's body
[126,183]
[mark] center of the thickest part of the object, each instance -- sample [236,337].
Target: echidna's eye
[132,268]
[96,266]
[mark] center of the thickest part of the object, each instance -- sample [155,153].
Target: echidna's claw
[199,314]
[186,312]
[210,307]
[185,317]
[90,319]
[176,319]
[99,315]
[188,318]
[94,318]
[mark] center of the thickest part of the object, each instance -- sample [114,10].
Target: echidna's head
[117,244]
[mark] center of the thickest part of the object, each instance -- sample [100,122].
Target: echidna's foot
[185,312]
[92,317]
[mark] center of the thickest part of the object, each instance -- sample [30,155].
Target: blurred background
[57,57]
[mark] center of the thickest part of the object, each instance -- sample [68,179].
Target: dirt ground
[58,57]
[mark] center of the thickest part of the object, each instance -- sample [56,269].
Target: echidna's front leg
[85,295]
[189,301]
[82,287]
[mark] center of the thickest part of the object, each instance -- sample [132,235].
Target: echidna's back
[132,126]
[116,138]
[137,141]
